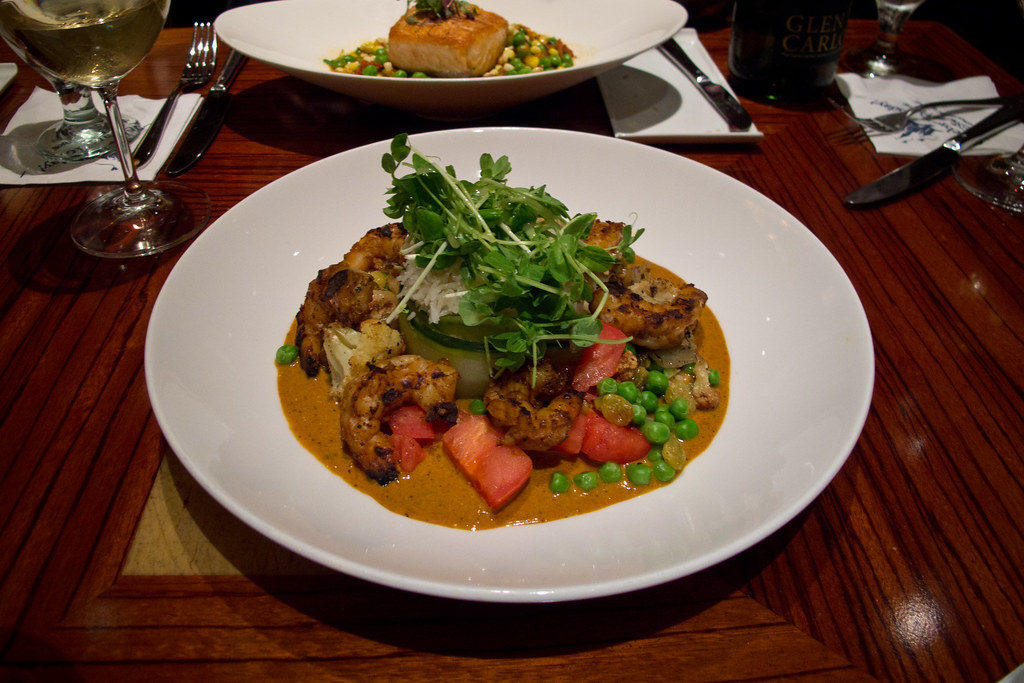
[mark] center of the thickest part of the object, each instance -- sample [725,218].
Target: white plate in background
[297,35]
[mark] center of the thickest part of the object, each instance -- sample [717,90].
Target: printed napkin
[930,128]
[20,164]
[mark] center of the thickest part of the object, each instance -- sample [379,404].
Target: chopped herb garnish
[441,9]
[520,255]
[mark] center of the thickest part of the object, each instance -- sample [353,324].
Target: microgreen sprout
[520,255]
[442,9]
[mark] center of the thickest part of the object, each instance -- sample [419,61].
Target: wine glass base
[168,213]
[871,62]
[998,180]
[68,143]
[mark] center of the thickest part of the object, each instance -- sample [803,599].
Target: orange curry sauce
[437,493]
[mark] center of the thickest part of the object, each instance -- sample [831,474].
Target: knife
[209,119]
[720,98]
[921,171]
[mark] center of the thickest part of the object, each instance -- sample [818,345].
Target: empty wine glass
[83,132]
[94,43]
[884,57]
[997,179]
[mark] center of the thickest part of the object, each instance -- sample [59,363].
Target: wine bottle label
[810,36]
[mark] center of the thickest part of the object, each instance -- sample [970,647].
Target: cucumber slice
[468,357]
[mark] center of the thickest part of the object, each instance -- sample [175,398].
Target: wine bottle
[786,50]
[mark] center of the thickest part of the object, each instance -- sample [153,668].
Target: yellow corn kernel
[532,61]
[553,52]
[352,67]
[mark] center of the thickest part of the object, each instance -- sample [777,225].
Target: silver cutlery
[924,170]
[897,120]
[209,119]
[721,99]
[198,70]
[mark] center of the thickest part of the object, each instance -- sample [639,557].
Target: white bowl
[296,36]
[800,375]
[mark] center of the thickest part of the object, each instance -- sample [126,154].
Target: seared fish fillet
[459,46]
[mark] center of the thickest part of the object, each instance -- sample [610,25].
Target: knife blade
[208,121]
[923,170]
[720,98]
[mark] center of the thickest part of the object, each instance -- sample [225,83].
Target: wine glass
[884,57]
[94,43]
[997,179]
[83,132]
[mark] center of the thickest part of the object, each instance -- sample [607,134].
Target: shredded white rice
[439,292]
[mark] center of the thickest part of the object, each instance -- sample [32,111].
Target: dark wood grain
[909,566]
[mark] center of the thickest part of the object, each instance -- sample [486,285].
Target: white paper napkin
[876,96]
[650,100]
[20,164]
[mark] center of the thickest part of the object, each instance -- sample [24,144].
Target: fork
[198,70]
[897,120]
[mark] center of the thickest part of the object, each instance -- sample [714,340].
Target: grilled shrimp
[358,288]
[370,397]
[656,312]
[538,416]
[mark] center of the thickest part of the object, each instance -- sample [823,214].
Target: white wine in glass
[94,43]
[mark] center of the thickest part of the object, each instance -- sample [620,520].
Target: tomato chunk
[574,440]
[606,442]
[411,421]
[501,475]
[599,360]
[498,473]
[409,451]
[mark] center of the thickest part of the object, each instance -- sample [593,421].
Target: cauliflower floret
[348,350]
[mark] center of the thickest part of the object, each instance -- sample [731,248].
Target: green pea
[400,73]
[477,406]
[657,382]
[524,70]
[679,408]
[628,391]
[587,480]
[610,472]
[516,63]
[663,471]
[656,432]
[546,62]
[714,377]
[639,415]
[419,74]
[638,473]
[608,385]
[664,415]
[381,55]
[519,38]
[286,354]
[654,455]
[686,429]
[649,400]
[369,70]
[566,60]
[559,483]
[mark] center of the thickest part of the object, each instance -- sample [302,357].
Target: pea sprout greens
[520,255]
[442,9]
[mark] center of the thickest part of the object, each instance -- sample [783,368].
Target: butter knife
[720,98]
[924,170]
[209,119]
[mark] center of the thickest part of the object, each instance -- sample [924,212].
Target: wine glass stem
[132,186]
[890,24]
[78,106]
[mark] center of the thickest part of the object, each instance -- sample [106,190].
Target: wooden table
[909,566]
